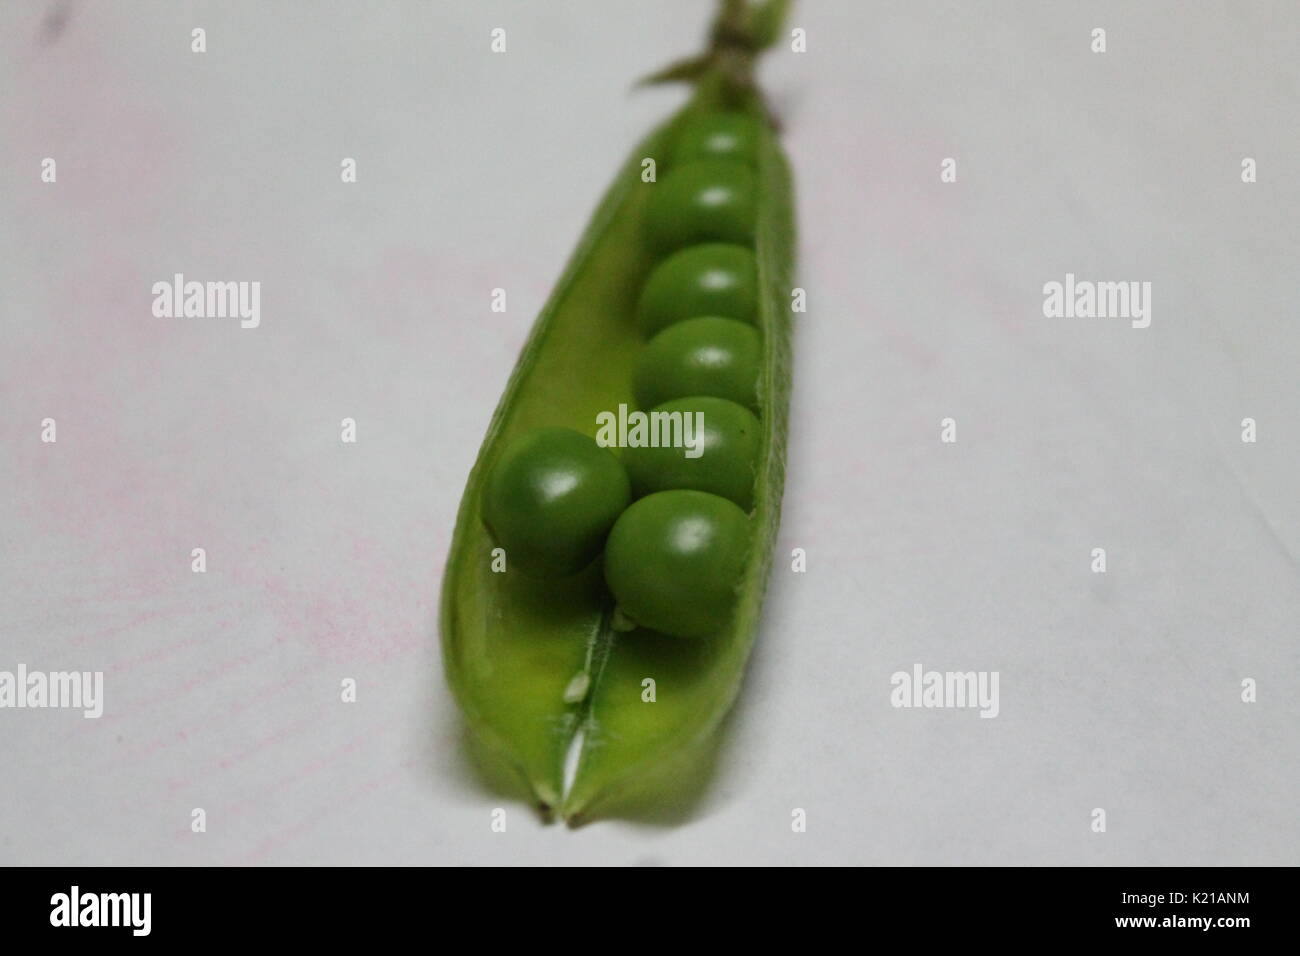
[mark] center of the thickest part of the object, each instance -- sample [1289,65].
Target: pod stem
[740,32]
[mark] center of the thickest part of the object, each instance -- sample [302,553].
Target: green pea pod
[535,667]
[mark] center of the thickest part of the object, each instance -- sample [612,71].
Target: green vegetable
[704,201]
[537,665]
[673,560]
[729,136]
[551,499]
[705,356]
[710,279]
[728,447]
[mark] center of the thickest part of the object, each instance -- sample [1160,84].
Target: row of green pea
[674,529]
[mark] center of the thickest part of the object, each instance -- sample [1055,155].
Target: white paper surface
[1119,691]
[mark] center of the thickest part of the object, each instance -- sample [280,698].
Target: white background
[476,170]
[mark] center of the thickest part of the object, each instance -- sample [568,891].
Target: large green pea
[704,356]
[674,561]
[705,201]
[709,279]
[551,498]
[726,448]
[730,136]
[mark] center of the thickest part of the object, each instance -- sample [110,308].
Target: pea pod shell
[531,667]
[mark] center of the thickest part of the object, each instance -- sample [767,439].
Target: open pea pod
[535,665]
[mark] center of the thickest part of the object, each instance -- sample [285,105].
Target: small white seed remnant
[576,691]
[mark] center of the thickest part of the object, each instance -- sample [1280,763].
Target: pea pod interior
[532,665]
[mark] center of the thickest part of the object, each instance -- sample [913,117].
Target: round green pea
[726,449]
[674,561]
[551,498]
[709,200]
[709,279]
[704,356]
[730,136]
